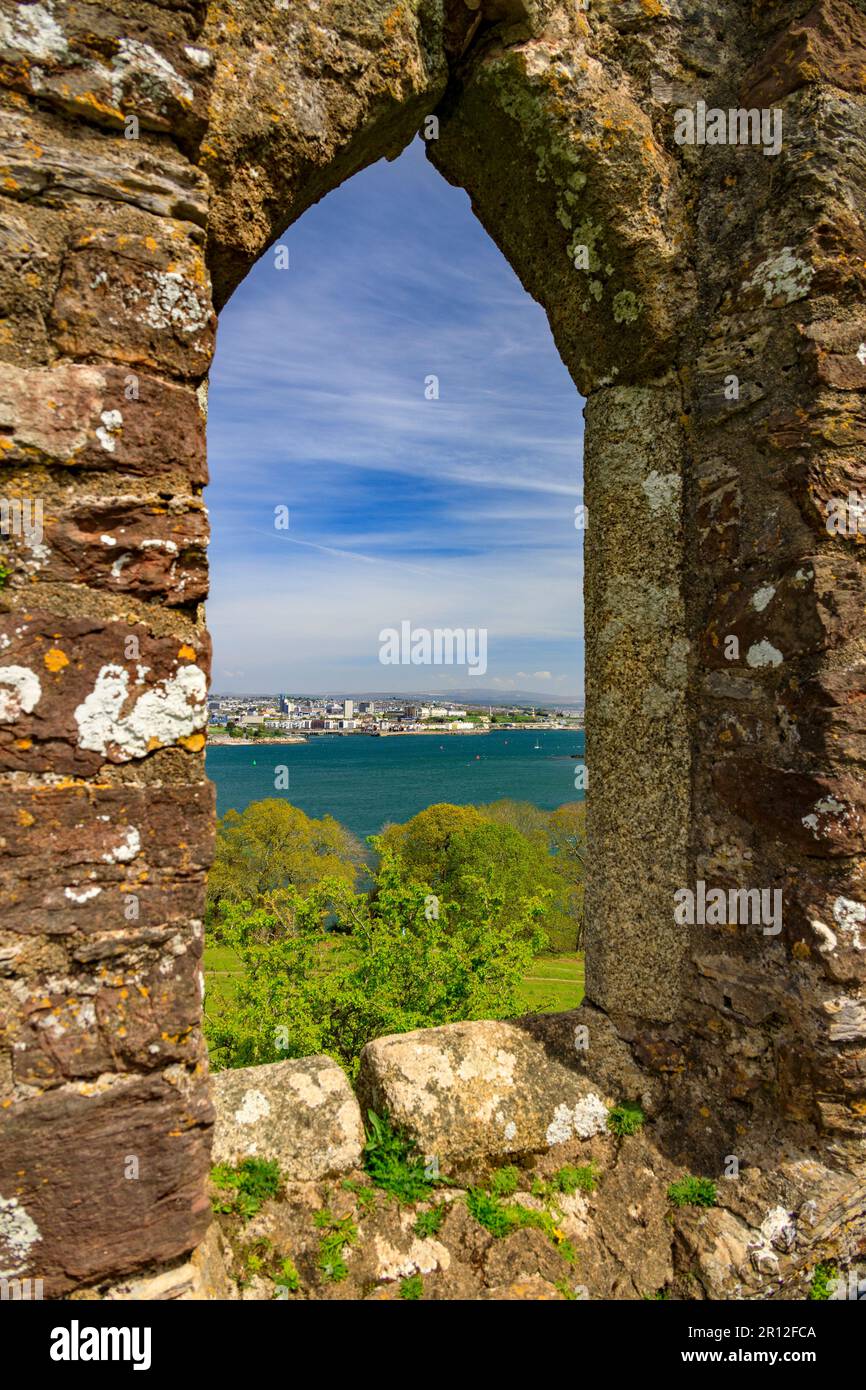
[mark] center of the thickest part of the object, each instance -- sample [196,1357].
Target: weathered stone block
[106,866]
[477,1089]
[76,692]
[106,418]
[104,1178]
[300,1113]
[130,298]
[142,547]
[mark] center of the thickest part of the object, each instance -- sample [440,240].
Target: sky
[346,499]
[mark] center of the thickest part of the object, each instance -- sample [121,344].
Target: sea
[367,783]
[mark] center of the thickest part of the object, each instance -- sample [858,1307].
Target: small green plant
[363,1192]
[489,1212]
[245,1188]
[503,1181]
[288,1276]
[5,572]
[563,1287]
[256,1257]
[819,1289]
[693,1192]
[412,1287]
[625,1119]
[427,1223]
[571,1179]
[392,1162]
[500,1220]
[336,1235]
[660,1296]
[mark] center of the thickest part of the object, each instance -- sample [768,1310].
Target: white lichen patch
[169,546]
[20,692]
[778,1231]
[783,275]
[313,1090]
[586,1118]
[172,710]
[107,432]
[174,304]
[136,60]
[761,597]
[200,56]
[254,1107]
[82,895]
[849,917]
[763,654]
[662,491]
[422,1257]
[128,848]
[18,1234]
[827,942]
[34,30]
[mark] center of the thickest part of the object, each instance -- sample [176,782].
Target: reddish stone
[820,815]
[137,300]
[126,547]
[77,693]
[827,44]
[68,1159]
[146,848]
[137,1011]
[100,417]
[135,60]
[834,344]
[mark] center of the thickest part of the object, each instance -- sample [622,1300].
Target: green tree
[273,845]
[406,965]
[510,844]
[567,831]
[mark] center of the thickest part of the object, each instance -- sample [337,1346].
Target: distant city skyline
[454,512]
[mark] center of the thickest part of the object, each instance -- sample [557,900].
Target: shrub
[427,1223]
[305,991]
[503,1181]
[572,1179]
[288,1276]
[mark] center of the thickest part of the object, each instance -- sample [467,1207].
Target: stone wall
[150,153]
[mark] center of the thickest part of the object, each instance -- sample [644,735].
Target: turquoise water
[367,782]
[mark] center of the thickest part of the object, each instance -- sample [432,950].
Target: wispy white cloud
[456,511]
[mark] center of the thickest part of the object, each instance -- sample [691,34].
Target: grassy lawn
[554,983]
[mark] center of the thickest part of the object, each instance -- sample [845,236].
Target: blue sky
[456,512]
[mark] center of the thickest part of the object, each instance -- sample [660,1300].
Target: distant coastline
[221,741]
